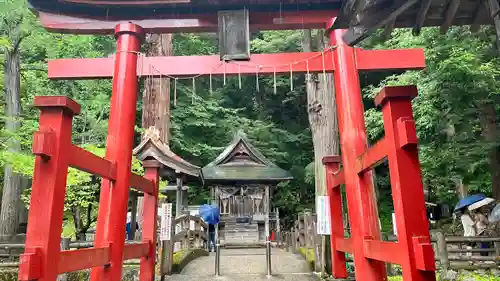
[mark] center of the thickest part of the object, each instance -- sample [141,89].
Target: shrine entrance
[43,260]
[241,181]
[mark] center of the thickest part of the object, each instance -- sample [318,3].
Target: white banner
[394,227]
[323,215]
[166,222]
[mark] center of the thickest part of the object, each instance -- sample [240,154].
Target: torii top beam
[176,23]
[170,16]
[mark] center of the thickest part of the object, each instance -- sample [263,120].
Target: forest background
[456,113]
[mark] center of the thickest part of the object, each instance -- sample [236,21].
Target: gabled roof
[242,162]
[152,147]
[157,9]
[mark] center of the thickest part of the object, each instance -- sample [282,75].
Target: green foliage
[16,23]
[460,78]
[204,122]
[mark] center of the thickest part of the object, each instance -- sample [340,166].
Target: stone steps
[241,234]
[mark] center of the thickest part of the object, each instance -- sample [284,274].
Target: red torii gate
[54,152]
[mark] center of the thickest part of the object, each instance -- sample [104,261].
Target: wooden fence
[451,252]
[188,232]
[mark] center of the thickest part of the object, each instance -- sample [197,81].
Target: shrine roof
[154,9]
[152,148]
[422,13]
[242,162]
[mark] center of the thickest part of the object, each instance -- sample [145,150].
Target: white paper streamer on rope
[175,91]
[161,82]
[331,56]
[194,92]
[142,65]
[274,78]
[224,64]
[257,79]
[225,73]
[239,76]
[324,70]
[211,90]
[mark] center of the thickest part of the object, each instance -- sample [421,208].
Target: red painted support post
[332,165]
[50,145]
[362,205]
[406,180]
[152,173]
[114,195]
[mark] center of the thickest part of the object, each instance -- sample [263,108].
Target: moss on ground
[308,255]
[182,258]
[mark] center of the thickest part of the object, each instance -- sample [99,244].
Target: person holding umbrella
[211,215]
[467,220]
[480,220]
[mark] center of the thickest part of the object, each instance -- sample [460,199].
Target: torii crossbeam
[366,60]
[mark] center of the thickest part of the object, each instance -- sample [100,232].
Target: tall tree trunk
[322,114]
[462,189]
[156,96]
[9,213]
[156,99]
[488,118]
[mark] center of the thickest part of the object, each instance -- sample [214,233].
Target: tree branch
[75,220]
[33,67]
[19,40]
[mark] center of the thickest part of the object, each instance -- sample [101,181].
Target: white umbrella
[481,203]
[495,214]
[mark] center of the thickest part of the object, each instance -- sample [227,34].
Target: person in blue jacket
[211,237]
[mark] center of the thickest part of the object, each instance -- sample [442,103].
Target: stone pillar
[178,196]
[266,209]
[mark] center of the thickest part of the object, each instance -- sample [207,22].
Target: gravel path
[247,265]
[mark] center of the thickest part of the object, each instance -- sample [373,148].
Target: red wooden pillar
[147,268]
[51,144]
[406,181]
[119,144]
[332,165]
[362,205]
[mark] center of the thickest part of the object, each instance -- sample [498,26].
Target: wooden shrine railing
[450,252]
[188,233]
[10,253]
[55,153]
[189,237]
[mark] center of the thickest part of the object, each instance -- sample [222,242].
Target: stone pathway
[247,265]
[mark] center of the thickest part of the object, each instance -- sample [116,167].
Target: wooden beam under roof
[421,16]
[450,15]
[375,20]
